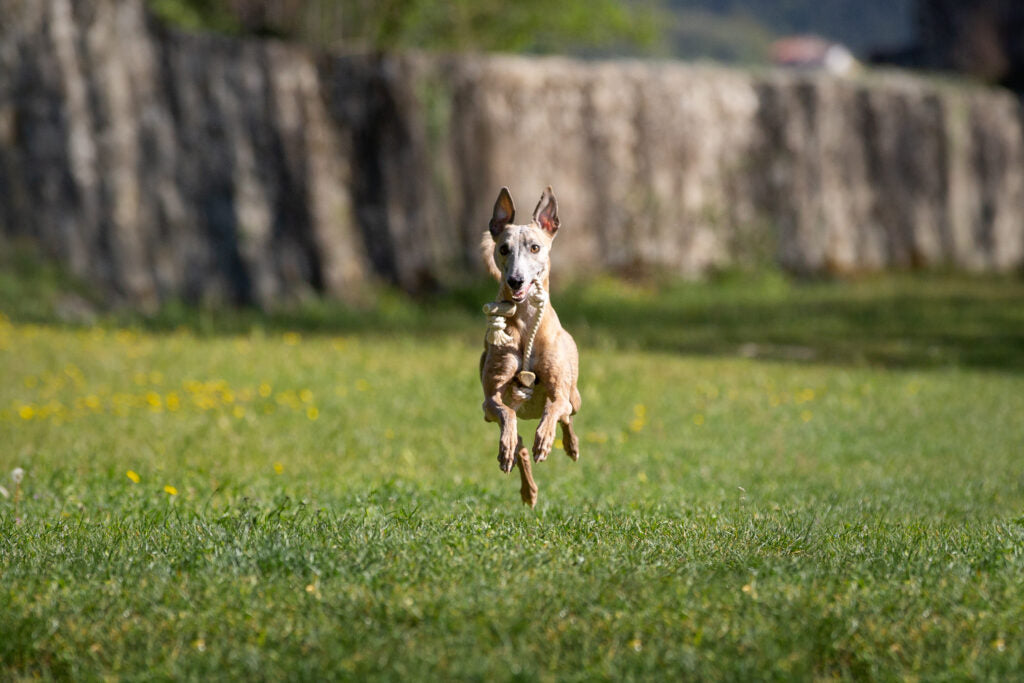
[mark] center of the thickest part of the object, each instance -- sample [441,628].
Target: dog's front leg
[555,410]
[498,368]
[498,412]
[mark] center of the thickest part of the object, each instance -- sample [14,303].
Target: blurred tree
[983,38]
[726,30]
[196,14]
[494,25]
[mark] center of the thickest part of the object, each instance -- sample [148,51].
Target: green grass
[777,481]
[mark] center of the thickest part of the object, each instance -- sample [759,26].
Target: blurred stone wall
[160,164]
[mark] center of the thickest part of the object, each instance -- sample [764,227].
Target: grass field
[777,481]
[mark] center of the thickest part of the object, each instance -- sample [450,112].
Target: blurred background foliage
[488,25]
[725,30]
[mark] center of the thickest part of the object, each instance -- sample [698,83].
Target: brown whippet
[530,365]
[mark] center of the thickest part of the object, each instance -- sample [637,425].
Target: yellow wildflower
[805,396]
[133,475]
[171,490]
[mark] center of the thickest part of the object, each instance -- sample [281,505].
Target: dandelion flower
[171,490]
[278,467]
[312,413]
[133,475]
[17,474]
[805,396]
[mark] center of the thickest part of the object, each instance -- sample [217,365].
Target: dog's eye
[503,250]
[534,248]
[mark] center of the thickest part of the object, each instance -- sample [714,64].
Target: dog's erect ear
[504,212]
[546,213]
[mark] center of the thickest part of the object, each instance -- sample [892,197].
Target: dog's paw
[542,443]
[507,452]
[572,448]
[529,495]
[570,442]
[505,462]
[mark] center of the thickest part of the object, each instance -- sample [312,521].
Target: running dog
[530,364]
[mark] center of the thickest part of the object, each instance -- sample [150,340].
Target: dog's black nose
[515,283]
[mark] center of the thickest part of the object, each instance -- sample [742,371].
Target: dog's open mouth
[519,296]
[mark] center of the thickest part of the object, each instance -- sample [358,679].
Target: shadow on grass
[896,320]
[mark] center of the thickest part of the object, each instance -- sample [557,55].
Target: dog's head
[521,252]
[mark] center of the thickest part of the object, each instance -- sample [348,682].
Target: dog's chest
[532,408]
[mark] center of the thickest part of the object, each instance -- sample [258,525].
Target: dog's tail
[487,254]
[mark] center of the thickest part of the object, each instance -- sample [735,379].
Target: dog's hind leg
[569,440]
[528,489]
